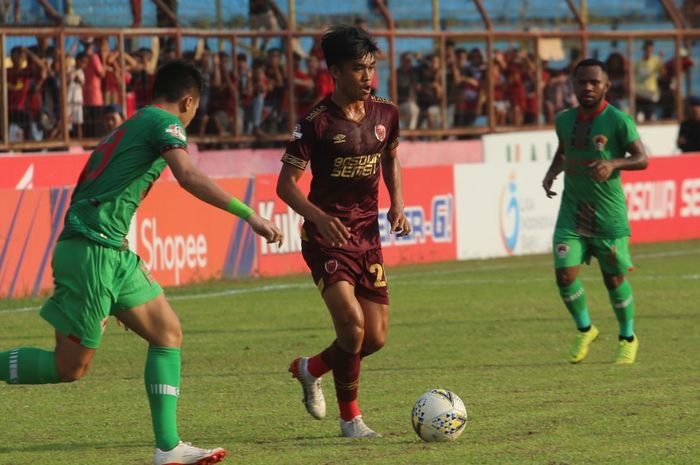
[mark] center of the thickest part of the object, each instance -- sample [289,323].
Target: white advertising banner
[502,210]
[536,146]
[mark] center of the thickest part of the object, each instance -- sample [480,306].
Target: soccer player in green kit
[96,275]
[594,140]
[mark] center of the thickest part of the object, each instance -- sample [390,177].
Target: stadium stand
[522,84]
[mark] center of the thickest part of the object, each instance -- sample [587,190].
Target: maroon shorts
[363,269]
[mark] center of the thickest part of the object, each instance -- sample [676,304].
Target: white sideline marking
[399,278]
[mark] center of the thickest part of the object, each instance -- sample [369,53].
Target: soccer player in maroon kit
[349,137]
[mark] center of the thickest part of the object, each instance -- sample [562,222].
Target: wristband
[239,209]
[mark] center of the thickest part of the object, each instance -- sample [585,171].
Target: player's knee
[612,282]
[72,372]
[373,344]
[171,337]
[351,338]
[564,277]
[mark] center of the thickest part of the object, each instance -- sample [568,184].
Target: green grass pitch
[493,331]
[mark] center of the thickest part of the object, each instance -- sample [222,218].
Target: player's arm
[205,189]
[556,167]
[636,160]
[391,171]
[331,228]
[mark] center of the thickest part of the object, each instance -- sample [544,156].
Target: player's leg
[344,356]
[77,309]
[569,253]
[142,308]
[615,261]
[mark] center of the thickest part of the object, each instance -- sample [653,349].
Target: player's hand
[398,221]
[267,229]
[547,184]
[601,170]
[332,229]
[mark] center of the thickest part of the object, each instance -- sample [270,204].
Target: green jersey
[590,208]
[119,174]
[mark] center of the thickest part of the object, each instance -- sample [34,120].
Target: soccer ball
[439,415]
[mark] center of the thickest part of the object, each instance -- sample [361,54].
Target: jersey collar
[581,116]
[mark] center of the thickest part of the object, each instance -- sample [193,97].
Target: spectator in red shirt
[21,81]
[323,82]
[92,90]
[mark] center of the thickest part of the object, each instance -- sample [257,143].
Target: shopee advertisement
[429,205]
[182,239]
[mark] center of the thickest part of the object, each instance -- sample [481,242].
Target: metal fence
[448,81]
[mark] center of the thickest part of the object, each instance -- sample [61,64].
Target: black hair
[80,56]
[588,62]
[347,43]
[176,79]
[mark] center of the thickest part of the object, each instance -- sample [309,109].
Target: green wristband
[239,209]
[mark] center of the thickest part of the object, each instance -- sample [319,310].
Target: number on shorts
[378,270]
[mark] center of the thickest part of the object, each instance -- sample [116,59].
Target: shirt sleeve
[170,134]
[299,146]
[626,131]
[393,128]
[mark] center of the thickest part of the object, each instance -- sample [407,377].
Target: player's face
[590,85]
[354,78]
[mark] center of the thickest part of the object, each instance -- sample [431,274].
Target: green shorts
[571,249]
[92,282]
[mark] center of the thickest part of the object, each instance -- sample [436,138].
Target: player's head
[591,82]
[179,84]
[350,55]
[112,116]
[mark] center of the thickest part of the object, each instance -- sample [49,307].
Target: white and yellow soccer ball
[439,415]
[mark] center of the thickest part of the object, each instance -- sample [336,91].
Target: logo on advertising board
[437,226]
[509,215]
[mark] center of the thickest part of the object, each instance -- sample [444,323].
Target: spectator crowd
[248,93]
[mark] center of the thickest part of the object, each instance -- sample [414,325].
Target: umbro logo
[339,138]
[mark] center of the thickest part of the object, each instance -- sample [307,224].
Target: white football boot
[314,401]
[356,428]
[186,454]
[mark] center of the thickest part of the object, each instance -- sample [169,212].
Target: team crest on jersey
[331,266]
[562,250]
[599,142]
[380,132]
[296,133]
[339,139]
[176,131]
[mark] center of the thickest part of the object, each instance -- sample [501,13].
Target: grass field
[494,332]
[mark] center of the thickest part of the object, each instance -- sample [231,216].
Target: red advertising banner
[429,206]
[35,171]
[663,201]
[180,238]
[29,225]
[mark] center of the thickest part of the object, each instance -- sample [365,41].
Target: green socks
[574,298]
[162,379]
[623,305]
[28,366]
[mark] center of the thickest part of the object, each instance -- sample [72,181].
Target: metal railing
[236,40]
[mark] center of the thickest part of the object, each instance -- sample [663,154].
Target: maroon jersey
[345,159]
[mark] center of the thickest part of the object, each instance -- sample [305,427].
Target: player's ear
[335,71]
[186,103]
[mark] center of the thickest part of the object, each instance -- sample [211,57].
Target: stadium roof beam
[484,15]
[168,12]
[672,10]
[51,11]
[580,19]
